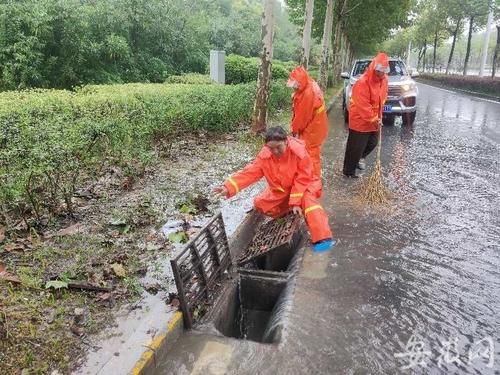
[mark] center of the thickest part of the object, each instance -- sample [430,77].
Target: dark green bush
[51,139]
[485,85]
[241,69]
[190,78]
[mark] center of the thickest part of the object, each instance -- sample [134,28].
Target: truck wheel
[408,118]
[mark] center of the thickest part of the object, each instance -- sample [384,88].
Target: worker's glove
[221,190]
[296,210]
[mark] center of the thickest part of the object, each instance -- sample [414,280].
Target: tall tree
[306,36]
[495,55]
[325,44]
[476,10]
[260,112]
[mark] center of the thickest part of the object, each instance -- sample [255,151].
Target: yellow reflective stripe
[279,188]
[296,195]
[320,109]
[236,187]
[312,208]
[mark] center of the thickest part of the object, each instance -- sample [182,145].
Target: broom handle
[379,147]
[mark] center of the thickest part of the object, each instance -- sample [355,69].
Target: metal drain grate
[271,235]
[199,268]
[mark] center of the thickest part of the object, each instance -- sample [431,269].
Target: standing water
[413,288]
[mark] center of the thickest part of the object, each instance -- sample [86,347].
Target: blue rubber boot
[324,245]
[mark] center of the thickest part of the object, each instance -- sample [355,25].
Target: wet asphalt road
[411,288]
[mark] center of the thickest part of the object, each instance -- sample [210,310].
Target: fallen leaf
[17,246]
[153,247]
[73,229]
[103,297]
[178,237]
[4,275]
[118,270]
[56,284]
[118,222]
[76,330]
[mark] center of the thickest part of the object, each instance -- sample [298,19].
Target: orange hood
[381,60]
[300,75]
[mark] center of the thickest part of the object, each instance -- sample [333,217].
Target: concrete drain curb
[159,345]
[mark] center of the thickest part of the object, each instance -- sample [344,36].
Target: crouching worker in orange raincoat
[310,121]
[292,186]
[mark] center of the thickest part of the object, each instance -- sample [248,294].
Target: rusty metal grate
[271,235]
[199,268]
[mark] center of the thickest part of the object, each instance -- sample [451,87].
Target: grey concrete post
[217,69]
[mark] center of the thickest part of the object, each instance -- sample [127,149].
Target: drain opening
[274,245]
[253,309]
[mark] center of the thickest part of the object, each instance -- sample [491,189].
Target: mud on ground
[47,316]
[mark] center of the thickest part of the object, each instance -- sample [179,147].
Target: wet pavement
[411,288]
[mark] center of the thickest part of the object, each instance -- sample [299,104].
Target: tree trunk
[424,54]
[325,43]
[420,54]
[484,55]
[260,110]
[452,47]
[495,56]
[467,53]
[306,36]
[434,51]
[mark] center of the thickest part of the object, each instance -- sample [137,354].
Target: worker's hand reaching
[297,210]
[221,190]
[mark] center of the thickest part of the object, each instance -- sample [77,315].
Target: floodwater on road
[413,288]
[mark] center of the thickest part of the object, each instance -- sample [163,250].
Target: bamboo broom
[372,190]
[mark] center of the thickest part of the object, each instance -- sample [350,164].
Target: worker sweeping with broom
[365,114]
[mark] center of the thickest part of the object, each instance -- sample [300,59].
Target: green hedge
[191,79]
[241,69]
[50,139]
[484,85]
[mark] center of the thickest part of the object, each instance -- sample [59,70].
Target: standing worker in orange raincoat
[365,114]
[310,121]
[292,186]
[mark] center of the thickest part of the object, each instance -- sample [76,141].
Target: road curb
[159,345]
[332,101]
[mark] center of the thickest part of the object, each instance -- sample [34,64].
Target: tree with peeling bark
[306,34]
[325,44]
[260,111]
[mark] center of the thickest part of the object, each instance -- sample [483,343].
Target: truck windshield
[397,68]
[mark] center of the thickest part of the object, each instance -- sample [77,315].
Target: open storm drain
[250,303]
[274,245]
[253,309]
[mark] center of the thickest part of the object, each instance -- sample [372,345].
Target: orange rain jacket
[291,182]
[368,97]
[310,121]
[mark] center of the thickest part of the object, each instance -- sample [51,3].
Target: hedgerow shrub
[190,78]
[241,69]
[486,85]
[51,139]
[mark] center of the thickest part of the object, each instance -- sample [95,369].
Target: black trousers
[359,145]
